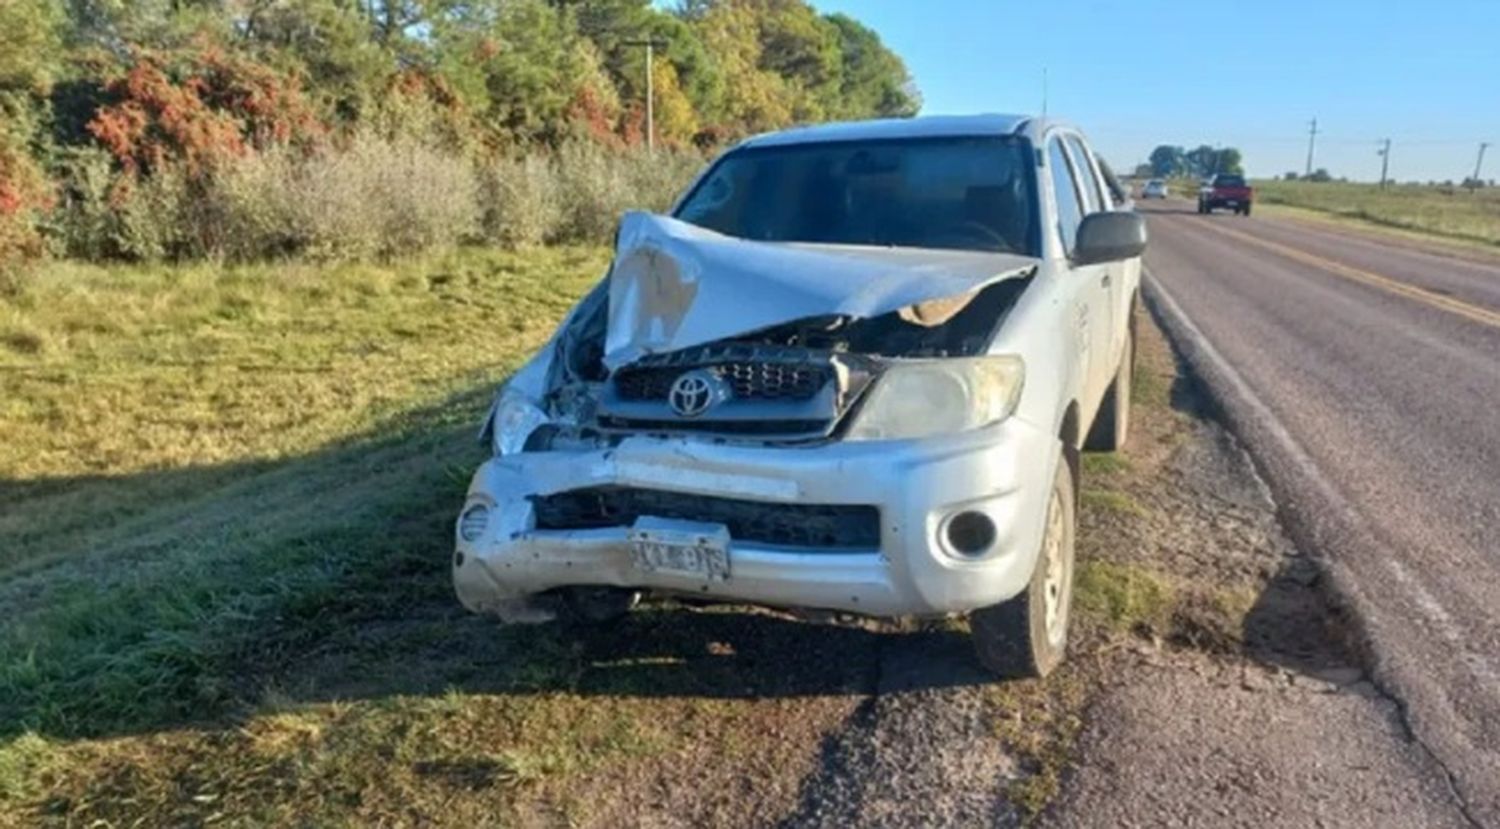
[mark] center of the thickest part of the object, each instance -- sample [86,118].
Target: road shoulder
[1264,715]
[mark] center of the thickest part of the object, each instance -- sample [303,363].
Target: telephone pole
[1312,136]
[1479,162]
[1385,160]
[651,44]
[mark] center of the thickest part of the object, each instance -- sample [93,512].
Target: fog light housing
[970,533]
[472,522]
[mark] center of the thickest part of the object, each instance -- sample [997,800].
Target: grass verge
[226,500]
[1444,212]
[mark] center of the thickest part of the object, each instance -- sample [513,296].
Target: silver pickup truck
[851,371]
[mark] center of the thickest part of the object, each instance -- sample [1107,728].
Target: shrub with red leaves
[199,108]
[24,192]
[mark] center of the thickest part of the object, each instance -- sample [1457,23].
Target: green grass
[199,454]
[1104,464]
[1125,598]
[1449,212]
[207,472]
[226,504]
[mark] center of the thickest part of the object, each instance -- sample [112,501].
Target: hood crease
[673,285]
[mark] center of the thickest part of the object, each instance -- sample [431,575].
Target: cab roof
[929,126]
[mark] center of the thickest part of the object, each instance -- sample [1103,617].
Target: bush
[595,185]
[372,198]
[369,197]
[153,214]
[25,193]
[85,224]
[577,193]
[520,201]
[379,197]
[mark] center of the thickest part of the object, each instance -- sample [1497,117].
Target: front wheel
[1028,635]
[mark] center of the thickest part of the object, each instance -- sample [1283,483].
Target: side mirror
[1109,237]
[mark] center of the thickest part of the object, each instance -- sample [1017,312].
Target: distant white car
[852,371]
[1154,189]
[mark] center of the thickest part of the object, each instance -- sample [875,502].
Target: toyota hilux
[852,371]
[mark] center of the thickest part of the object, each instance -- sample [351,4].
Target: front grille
[753,371]
[789,429]
[827,526]
[750,381]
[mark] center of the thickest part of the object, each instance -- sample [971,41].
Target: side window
[1093,195]
[1069,209]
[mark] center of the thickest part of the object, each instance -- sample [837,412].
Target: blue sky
[1425,73]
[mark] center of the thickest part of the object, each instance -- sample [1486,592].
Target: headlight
[515,419]
[932,397]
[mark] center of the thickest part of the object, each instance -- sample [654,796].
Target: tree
[1167,161]
[1291,175]
[531,65]
[874,80]
[1319,175]
[1230,161]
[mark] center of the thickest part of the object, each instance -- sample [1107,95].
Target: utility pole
[1044,92]
[1312,136]
[1385,160]
[1479,162]
[651,44]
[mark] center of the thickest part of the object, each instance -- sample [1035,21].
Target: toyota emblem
[693,393]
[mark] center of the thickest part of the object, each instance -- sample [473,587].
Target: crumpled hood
[673,285]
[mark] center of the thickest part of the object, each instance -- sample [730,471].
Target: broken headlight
[514,419]
[933,397]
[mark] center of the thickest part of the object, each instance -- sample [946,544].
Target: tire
[1020,638]
[1112,423]
[1246,211]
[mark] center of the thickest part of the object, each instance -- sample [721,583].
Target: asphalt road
[1364,376]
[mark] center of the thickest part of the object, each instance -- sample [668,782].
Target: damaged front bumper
[860,526]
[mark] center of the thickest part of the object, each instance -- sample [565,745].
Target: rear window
[964,193]
[1229,181]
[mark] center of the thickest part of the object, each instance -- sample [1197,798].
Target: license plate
[683,548]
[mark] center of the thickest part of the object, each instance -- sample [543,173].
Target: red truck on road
[1226,191]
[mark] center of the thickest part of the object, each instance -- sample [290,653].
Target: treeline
[1169,161]
[249,128]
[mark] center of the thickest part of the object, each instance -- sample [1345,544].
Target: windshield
[966,193]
